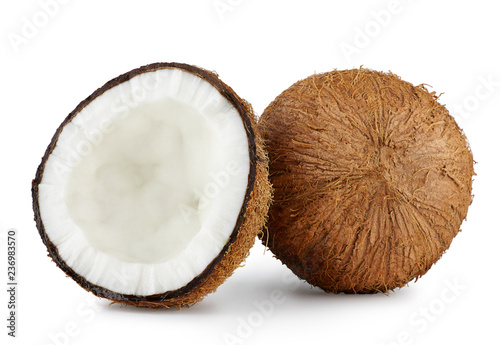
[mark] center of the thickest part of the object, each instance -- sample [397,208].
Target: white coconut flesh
[144,186]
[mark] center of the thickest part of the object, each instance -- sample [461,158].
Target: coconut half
[372,179]
[154,188]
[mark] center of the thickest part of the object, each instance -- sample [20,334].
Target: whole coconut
[372,180]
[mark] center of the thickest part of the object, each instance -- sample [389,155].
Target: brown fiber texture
[372,179]
[251,219]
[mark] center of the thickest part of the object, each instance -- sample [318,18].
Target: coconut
[372,180]
[152,191]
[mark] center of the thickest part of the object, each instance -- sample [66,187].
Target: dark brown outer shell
[251,219]
[372,180]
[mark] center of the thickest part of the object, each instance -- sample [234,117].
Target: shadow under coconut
[306,290]
[235,295]
[301,291]
[198,308]
[246,288]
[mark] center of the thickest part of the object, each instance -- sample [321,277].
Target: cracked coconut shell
[372,180]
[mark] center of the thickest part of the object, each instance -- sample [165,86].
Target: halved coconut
[154,188]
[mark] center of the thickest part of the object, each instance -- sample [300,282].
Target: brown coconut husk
[372,180]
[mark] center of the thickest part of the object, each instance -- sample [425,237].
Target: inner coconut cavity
[145,184]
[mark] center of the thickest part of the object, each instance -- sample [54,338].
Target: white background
[52,57]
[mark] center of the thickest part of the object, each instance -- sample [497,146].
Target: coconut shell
[372,180]
[250,222]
